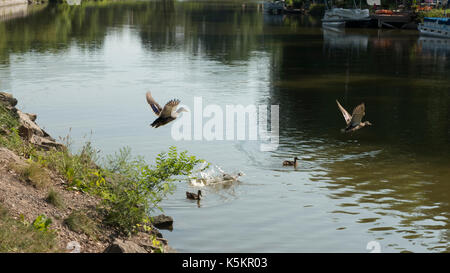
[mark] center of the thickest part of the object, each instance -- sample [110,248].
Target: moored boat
[435,26]
[354,14]
[275,7]
[339,17]
[333,24]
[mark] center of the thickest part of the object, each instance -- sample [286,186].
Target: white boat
[333,25]
[275,7]
[435,26]
[337,17]
[340,14]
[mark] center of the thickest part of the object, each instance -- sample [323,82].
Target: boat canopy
[440,20]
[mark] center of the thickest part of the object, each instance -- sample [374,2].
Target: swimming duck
[291,163]
[193,196]
[226,176]
[166,114]
[353,121]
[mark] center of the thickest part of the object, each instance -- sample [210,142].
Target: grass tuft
[34,173]
[79,222]
[54,198]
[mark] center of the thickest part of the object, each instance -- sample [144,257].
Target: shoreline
[25,189]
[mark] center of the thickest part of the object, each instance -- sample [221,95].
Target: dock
[395,20]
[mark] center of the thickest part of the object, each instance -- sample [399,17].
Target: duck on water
[291,162]
[193,196]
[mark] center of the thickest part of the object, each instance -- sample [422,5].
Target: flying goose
[193,196]
[166,114]
[353,121]
[291,163]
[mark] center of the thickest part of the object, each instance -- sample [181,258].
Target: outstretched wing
[346,115]
[358,114]
[153,104]
[168,108]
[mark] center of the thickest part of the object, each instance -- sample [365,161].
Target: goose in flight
[353,121]
[166,114]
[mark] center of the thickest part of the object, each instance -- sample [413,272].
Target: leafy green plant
[432,13]
[133,190]
[79,169]
[42,223]
[158,245]
[317,9]
[295,3]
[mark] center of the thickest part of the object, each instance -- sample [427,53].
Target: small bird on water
[166,114]
[193,196]
[354,121]
[291,163]
[229,177]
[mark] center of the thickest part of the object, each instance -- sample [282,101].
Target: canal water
[85,70]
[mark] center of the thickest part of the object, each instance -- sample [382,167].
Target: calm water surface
[87,68]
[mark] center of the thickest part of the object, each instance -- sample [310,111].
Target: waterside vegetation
[127,188]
